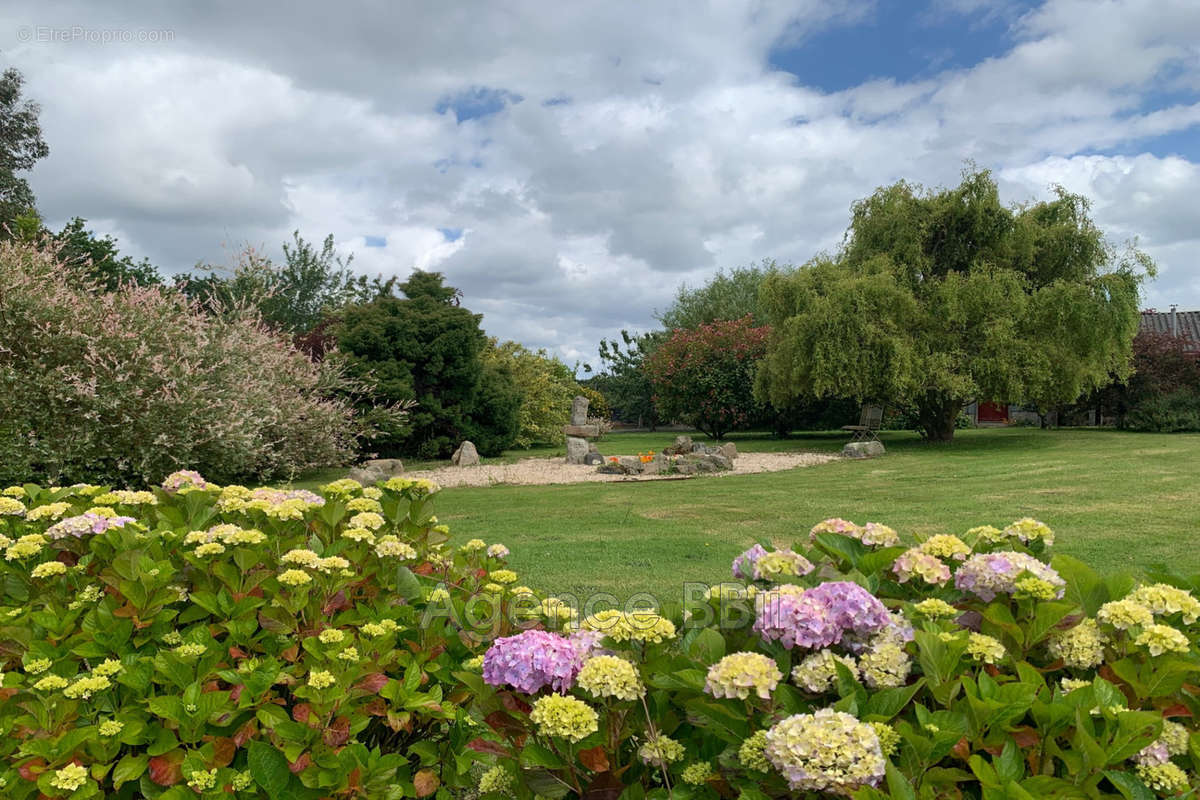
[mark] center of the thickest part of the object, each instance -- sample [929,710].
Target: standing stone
[577,450]
[729,450]
[593,459]
[579,410]
[465,456]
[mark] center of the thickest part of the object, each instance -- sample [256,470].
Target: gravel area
[542,471]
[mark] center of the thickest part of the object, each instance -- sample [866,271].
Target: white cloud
[673,148]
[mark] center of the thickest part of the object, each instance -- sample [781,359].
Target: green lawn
[1118,500]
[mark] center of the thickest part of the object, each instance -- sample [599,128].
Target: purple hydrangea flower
[821,616]
[533,660]
[84,524]
[988,574]
[743,565]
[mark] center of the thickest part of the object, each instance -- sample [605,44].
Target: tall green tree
[293,296]
[98,259]
[546,386]
[21,146]
[623,379]
[938,298]
[427,347]
[725,296]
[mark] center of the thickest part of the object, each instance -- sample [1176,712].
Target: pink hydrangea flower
[533,660]
[184,477]
[821,616]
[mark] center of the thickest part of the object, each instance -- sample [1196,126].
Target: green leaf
[534,755]
[1048,615]
[708,646]
[887,703]
[899,787]
[1129,785]
[1085,587]
[269,769]
[129,768]
[407,585]
[1010,766]
[843,547]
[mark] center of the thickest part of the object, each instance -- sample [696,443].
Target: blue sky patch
[899,39]
[451,234]
[375,241]
[476,102]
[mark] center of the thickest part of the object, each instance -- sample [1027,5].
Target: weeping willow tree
[940,298]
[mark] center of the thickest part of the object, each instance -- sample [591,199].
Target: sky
[570,165]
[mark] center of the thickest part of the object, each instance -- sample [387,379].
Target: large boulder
[577,450]
[593,458]
[863,449]
[681,446]
[729,450]
[375,470]
[465,456]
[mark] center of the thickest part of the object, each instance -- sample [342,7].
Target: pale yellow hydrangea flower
[564,716]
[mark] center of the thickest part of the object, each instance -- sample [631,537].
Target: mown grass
[1118,500]
[1115,499]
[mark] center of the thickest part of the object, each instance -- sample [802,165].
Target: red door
[992,412]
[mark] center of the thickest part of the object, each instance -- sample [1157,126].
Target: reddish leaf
[499,721]
[962,749]
[245,733]
[606,786]
[237,652]
[290,654]
[334,604]
[338,733]
[31,769]
[236,692]
[1177,710]
[302,712]
[426,782]
[224,749]
[165,770]
[1026,737]
[376,708]
[480,573]
[373,682]
[211,686]
[594,759]
[514,703]
[424,569]
[300,764]
[126,611]
[484,746]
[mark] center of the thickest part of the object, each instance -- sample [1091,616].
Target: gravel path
[543,471]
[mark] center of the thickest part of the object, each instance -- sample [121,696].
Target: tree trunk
[937,414]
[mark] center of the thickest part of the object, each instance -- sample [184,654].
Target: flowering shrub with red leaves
[705,376]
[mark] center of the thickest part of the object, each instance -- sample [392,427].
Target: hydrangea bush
[850,664]
[207,641]
[199,640]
